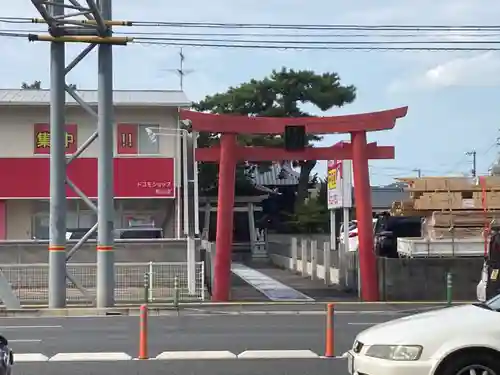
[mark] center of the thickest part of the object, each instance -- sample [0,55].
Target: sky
[451,95]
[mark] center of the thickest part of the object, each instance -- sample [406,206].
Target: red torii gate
[229,153]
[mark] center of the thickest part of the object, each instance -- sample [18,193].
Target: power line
[345,45]
[317,47]
[392,27]
[287,35]
[386,27]
[229,37]
[305,45]
[316,34]
[339,42]
[310,35]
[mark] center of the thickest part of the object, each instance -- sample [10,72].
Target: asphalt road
[235,333]
[192,331]
[210,367]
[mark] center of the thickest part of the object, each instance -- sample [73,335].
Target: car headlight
[395,352]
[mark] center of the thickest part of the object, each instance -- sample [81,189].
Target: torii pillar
[229,153]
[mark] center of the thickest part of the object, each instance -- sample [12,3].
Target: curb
[39,311]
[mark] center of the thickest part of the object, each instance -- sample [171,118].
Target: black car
[389,228]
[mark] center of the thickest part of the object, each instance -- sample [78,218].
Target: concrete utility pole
[95,30]
[57,223]
[474,161]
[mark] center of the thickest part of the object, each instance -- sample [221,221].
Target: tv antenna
[181,72]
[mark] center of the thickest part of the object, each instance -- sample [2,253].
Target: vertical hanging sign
[339,184]
[126,139]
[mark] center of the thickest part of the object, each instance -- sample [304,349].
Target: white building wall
[19,219]
[17,127]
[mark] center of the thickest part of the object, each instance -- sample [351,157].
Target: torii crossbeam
[229,153]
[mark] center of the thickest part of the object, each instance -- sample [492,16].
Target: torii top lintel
[213,123]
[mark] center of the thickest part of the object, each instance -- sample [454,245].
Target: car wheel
[477,364]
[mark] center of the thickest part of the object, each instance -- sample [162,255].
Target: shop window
[147,144]
[78,216]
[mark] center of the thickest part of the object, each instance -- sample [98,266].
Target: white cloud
[480,70]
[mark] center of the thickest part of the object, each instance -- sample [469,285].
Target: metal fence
[29,282]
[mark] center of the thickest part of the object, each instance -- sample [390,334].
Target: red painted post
[329,334]
[362,195]
[143,332]
[225,205]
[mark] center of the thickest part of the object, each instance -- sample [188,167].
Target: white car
[461,340]
[353,235]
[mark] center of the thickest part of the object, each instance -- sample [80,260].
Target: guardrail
[168,280]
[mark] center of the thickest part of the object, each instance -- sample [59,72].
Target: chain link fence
[30,282]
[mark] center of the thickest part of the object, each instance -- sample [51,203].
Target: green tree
[323,193]
[310,216]
[35,85]
[280,95]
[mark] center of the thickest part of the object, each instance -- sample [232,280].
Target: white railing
[29,282]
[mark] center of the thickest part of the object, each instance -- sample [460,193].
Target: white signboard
[339,184]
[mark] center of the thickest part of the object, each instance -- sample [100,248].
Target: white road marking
[24,340]
[76,357]
[29,357]
[281,313]
[194,355]
[278,354]
[172,355]
[29,327]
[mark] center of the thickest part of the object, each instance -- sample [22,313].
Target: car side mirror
[11,358]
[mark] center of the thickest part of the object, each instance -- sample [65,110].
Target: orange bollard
[143,332]
[329,336]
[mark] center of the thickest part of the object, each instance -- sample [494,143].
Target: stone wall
[424,279]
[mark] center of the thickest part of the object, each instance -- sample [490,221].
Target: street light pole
[191,257]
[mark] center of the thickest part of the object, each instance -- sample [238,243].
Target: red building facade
[146,171]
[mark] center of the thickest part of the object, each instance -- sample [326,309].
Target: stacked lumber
[453,207]
[458,224]
[451,193]
[403,208]
[462,219]
[446,184]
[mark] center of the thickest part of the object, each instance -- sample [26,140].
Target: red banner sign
[29,178]
[126,139]
[42,138]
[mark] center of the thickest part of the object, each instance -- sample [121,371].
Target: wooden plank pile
[452,206]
